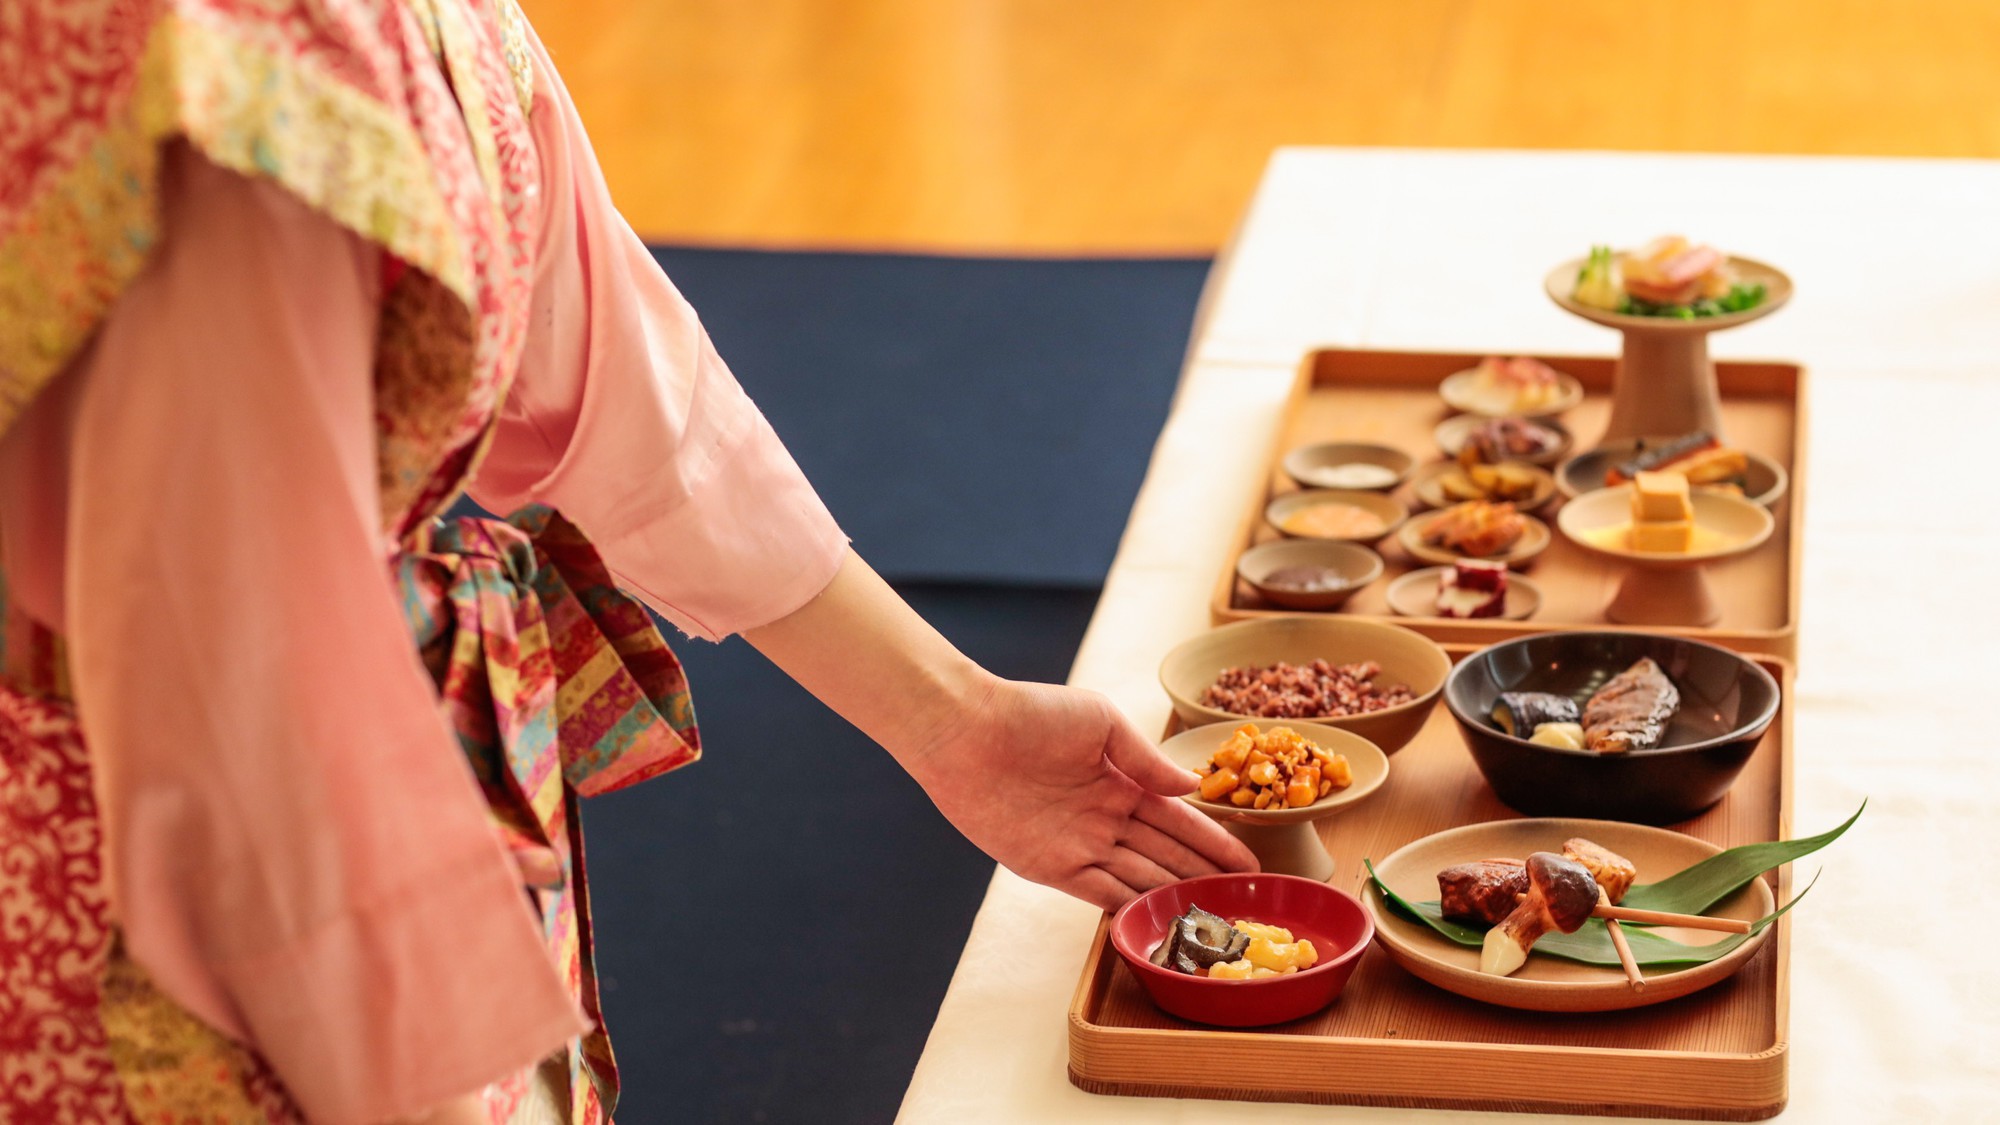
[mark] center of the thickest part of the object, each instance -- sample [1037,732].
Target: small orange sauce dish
[1348,515]
[1334,921]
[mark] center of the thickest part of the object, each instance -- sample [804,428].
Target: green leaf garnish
[1740,298]
[1690,891]
[1701,886]
[1592,943]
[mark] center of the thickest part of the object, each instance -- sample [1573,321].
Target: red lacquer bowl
[1333,920]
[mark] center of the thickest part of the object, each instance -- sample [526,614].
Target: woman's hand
[1051,781]
[1057,785]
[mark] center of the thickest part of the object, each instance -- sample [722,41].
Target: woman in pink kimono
[289,767]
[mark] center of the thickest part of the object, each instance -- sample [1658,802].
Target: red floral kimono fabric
[556,684]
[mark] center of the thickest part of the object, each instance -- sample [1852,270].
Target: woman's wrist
[961,698]
[865,653]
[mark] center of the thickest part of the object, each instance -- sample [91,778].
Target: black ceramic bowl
[1726,702]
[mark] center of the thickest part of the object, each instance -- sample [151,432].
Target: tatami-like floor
[1140,126]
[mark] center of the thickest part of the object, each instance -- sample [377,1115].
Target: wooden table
[1895,1002]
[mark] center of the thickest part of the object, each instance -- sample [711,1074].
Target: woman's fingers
[1135,870]
[1136,757]
[1179,820]
[1099,887]
[1184,862]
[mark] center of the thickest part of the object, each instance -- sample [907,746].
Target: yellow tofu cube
[1665,537]
[1660,498]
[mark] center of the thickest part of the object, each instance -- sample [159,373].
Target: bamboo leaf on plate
[1690,891]
[1591,944]
[1713,879]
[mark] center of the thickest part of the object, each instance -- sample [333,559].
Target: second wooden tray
[1391,398]
[1393,1040]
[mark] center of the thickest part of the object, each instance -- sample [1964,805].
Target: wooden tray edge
[1607,1109]
[1758,1083]
[1781,642]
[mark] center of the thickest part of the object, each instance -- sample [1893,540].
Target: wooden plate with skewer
[1546,983]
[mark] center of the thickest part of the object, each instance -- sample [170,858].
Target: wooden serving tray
[1391,398]
[1393,1040]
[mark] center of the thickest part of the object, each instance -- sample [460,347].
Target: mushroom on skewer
[1488,890]
[1561,895]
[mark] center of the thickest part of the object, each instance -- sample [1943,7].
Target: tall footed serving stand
[1665,385]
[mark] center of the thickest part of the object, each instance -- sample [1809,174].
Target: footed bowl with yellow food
[1262,908]
[1271,781]
[1665,552]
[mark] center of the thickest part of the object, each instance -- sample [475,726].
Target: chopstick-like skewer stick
[1625,958]
[1663,918]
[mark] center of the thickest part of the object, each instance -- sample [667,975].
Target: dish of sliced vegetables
[1668,277]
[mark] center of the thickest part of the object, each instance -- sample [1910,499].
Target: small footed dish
[1308,574]
[1415,595]
[1665,587]
[1358,465]
[1346,514]
[1452,434]
[1476,391]
[1404,656]
[1445,483]
[1764,480]
[1533,540]
[1284,838]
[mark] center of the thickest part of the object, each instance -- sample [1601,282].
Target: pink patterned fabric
[295,849]
[335,895]
[399,120]
[626,420]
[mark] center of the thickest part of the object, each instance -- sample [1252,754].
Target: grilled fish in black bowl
[1672,721]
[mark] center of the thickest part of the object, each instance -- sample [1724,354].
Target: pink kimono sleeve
[296,848]
[626,420]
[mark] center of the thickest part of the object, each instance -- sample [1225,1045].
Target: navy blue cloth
[777,924]
[966,419]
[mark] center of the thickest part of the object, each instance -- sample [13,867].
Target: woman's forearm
[1051,781]
[865,653]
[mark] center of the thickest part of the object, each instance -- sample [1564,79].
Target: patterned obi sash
[556,685]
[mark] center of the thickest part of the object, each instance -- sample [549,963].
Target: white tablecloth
[1895,998]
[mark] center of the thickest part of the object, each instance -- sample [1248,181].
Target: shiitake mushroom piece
[1201,939]
[1519,712]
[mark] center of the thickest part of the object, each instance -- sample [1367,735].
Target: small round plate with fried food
[1525,486]
[1475,530]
